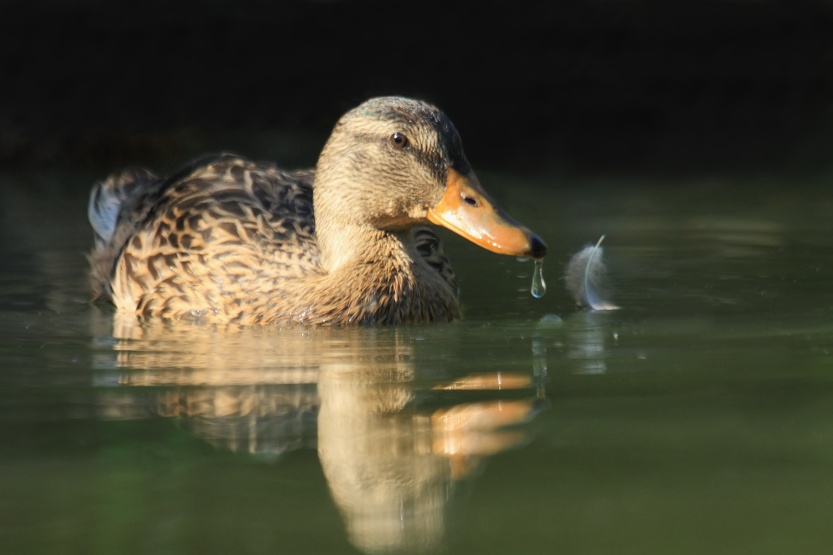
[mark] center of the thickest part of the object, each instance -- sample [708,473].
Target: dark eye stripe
[436,161]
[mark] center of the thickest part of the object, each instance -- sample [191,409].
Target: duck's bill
[468,211]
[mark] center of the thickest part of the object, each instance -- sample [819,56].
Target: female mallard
[228,240]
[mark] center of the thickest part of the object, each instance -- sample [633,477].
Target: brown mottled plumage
[229,240]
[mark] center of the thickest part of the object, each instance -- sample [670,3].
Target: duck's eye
[399,140]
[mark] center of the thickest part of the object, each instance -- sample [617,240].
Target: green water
[698,418]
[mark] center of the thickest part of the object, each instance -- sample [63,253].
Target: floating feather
[586,277]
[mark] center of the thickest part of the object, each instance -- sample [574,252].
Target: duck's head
[394,163]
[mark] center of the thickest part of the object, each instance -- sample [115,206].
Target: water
[698,418]
[539,286]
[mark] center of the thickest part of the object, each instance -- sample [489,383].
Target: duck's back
[220,237]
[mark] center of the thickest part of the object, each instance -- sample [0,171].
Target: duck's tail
[111,209]
[108,197]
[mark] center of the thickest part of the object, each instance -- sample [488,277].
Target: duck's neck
[346,246]
[370,275]
[378,277]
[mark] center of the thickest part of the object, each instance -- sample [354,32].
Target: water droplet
[539,286]
[550,321]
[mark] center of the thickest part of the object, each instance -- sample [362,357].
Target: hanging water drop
[539,286]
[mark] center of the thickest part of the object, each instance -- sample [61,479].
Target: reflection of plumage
[228,240]
[398,442]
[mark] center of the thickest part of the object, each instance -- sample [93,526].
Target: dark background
[607,87]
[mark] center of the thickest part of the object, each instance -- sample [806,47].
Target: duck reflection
[399,439]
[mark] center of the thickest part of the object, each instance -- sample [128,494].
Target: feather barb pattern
[586,278]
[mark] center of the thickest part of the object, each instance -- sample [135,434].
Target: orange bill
[467,210]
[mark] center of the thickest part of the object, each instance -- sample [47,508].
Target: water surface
[698,418]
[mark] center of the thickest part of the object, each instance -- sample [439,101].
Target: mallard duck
[228,240]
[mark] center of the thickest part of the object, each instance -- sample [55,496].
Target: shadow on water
[400,437]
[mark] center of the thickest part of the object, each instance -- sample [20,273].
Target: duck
[229,240]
